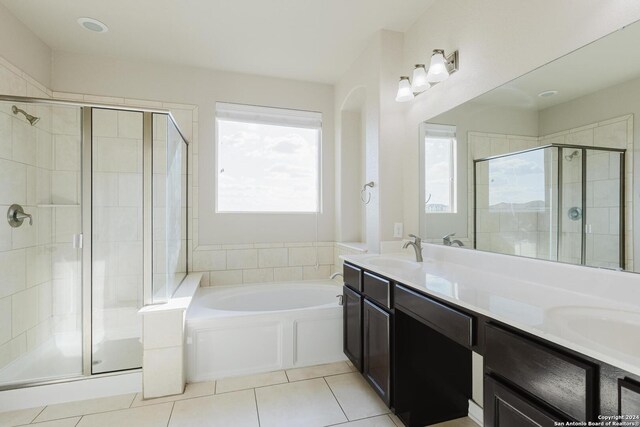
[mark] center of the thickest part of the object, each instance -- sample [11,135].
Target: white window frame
[429,130]
[268,116]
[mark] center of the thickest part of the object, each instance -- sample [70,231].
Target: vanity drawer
[377,289]
[563,382]
[628,398]
[452,323]
[352,276]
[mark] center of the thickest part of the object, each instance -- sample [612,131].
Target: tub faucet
[336,274]
[446,240]
[417,246]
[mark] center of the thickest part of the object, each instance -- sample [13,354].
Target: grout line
[38,414]
[255,400]
[215,387]
[100,411]
[360,419]
[79,419]
[287,375]
[173,405]
[337,401]
[249,388]
[133,400]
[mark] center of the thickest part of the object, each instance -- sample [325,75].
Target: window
[440,169]
[268,159]
[517,181]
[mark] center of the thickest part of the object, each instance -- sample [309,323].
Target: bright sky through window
[267,167]
[439,169]
[517,182]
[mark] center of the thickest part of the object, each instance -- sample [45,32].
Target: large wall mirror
[545,166]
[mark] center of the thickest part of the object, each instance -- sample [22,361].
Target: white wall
[200,87]
[363,75]
[498,40]
[376,70]
[22,48]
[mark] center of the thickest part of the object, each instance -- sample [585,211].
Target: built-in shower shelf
[61,205]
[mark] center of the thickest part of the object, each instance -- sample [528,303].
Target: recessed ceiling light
[93,25]
[547,93]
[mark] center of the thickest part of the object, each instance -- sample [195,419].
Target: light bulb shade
[419,81]
[405,93]
[438,68]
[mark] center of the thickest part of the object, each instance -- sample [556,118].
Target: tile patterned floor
[317,396]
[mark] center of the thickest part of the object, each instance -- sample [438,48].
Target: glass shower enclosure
[96,227]
[555,202]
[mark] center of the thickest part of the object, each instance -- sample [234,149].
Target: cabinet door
[352,336]
[504,407]
[377,350]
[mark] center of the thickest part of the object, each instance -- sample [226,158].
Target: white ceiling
[312,40]
[612,60]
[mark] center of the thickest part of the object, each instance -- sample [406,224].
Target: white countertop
[600,323]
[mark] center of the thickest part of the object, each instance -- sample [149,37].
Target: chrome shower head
[31,119]
[571,156]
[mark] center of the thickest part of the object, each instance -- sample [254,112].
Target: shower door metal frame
[86,203]
[560,147]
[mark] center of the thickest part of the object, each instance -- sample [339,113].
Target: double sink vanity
[550,353]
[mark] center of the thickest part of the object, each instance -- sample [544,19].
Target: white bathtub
[238,330]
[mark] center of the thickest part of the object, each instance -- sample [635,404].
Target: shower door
[604,215]
[572,202]
[40,257]
[117,239]
[85,192]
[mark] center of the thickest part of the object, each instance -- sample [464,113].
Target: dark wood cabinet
[367,327]
[450,322]
[377,289]
[377,349]
[414,348]
[504,407]
[629,400]
[352,276]
[563,382]
[352,327]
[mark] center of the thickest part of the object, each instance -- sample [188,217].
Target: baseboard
[475,413]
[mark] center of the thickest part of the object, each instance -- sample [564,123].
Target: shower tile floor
[324,395]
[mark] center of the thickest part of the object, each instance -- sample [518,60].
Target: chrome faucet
[417,246]
[336,274]
[446,240]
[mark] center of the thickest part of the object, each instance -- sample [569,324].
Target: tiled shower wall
[25,252]
[601,187]
[117,223]
[38,169]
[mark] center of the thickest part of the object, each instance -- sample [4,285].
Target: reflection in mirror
[543,166]
[520,199]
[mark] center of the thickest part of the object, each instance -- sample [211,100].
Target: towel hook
[362,192]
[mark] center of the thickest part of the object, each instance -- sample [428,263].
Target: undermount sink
[608,328]
[394,263]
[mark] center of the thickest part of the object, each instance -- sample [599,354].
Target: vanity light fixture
[440,68]
[405,93]
[419,82]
